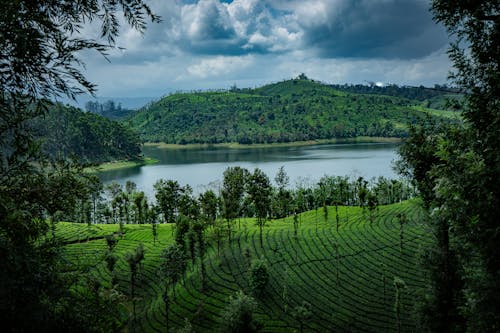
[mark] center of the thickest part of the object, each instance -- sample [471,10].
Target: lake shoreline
[235,145]
[146,160]
[121,164]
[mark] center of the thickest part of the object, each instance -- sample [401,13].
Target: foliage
[167,197]
[67,132]
[238,316]
[173,263]
[302,313]
[259,277]
[436,97]
[107,109]
[208,206]
[259,191]
[459,169]
[293,110]
[310,266]
[232,191]
[399,285]
[39,51]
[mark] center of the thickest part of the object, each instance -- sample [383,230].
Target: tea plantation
[346,275]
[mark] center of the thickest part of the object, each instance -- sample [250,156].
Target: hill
[347,275]
[292,110]
[67,131]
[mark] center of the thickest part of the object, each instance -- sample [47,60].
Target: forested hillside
[292,110]
[439,97]
[69,132]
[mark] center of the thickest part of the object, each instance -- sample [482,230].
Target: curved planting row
[347,275]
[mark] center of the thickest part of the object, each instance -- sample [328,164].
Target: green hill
[347,275]
[66,131]
[293,110]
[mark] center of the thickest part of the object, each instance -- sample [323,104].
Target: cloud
[219,65]
[369,28]
[204,44]
[330,28]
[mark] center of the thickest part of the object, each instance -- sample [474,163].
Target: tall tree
[233,189]
[463,173]
[283,196]
[40,46]
[134,260]
[173,264]
[167,196]
[208,207]
[259,190]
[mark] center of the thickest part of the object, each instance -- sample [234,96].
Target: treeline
[68,132]
[293,110]
[108,109]
[243,194]
[419,93]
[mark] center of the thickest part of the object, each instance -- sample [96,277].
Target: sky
[213,44]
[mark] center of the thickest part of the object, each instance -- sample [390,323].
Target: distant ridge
[299,109]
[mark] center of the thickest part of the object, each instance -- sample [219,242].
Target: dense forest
[294,110]
[67,132]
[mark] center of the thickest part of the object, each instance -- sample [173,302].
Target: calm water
[203,168]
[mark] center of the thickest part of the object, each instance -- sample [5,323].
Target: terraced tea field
[346,275]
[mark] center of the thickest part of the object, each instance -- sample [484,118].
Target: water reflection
[199,167]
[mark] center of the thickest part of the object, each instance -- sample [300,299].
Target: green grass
[303,268]
[115,165]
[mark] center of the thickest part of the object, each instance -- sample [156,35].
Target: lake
[203,168]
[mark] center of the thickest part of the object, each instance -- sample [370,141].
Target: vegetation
[288,111]
[456,168]
[107,109]
[39,51]
[67,132]
[197,270]
[298,270]
[437,97]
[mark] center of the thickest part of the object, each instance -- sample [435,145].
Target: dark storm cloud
[370,29]
[382,29]
[216,43]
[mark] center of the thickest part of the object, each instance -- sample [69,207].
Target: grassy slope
[301,269]
[288,111]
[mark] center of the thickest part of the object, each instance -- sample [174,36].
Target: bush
[259,277]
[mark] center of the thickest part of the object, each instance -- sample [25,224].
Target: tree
[134,260]
[284,198]
[402,221]
[208,206]
[399,285]
[167,197]
[461,166]
[233,189]
[238,315]
[295,225]
[39,52]
[259,277]
[302,313]
[372,204]
[173,264]
[198,229]
[259,190]
[152,218]
[140,206]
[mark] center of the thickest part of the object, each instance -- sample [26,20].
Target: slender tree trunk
[260,234]
[166,300]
